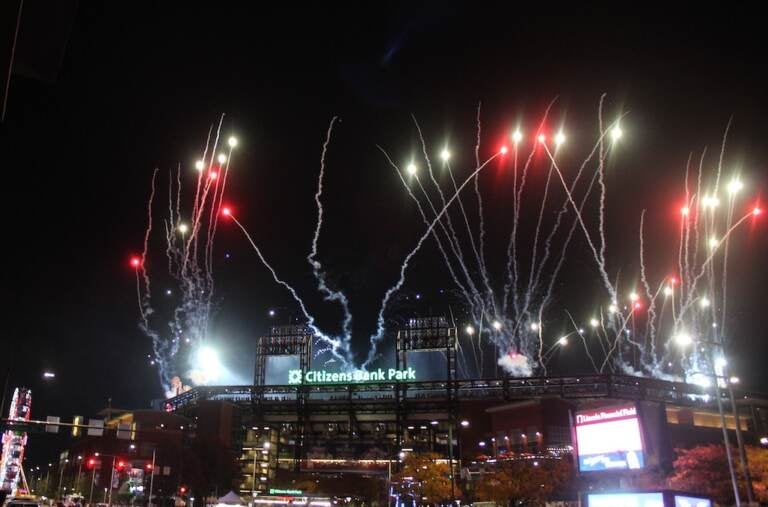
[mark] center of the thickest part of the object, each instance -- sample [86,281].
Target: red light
[673,280]
[91,463]
[685,210]
[756,211]
[182,490]
[120,465]
[148,466]
[638,306]
[503,150]
[542,138]
[226,211]
[213,175]
[135,262]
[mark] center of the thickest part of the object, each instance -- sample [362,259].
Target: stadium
[317,423]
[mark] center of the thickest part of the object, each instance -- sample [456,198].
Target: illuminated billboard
[625,500]
[656,498]
[691,501]
[609,439]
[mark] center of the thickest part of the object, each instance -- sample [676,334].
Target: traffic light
[148,467]
[91,463]
[121,465]
[77,421]
[182,490]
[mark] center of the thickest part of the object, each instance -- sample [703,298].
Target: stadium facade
[319,422]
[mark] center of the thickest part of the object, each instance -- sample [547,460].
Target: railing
[376,396]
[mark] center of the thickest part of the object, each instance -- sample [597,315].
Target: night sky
[124,89]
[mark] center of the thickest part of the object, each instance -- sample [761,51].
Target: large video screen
[625,500]
[691,501]
[609,439]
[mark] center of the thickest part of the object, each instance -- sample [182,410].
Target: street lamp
[718,365]
[63,465]
[111,477]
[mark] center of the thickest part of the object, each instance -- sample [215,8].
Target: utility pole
[79,470]
[93,480]
[151,478]
[111,479]
[726,440]
[739,438]
[61,476]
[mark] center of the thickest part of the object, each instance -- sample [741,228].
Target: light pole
[79,471]
[151,478]
[739,438]
[111,476]
[684,340]
[111,481]
[61,476]
[93,480]
[47,478]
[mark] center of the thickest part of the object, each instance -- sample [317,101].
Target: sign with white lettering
[279,491]
[609,439]
[326,377]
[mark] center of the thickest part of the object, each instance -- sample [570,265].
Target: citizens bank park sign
[326,377]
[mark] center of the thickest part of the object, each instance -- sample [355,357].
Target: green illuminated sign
[326,377]
[273,491]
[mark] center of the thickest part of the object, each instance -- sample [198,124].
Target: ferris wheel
[14,442]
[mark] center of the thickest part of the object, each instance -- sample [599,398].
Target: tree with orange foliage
[425,477]
[704,469]
[527,482]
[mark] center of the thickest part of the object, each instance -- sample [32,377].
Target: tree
[704,469]
[425,477]
[528,482]
[757,458]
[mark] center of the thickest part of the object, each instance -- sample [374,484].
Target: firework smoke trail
[159,349]
[588,236]
[512,244]
[440,247]
[583,339]
[564,209]
[724,274]
[335,344]
[317,270]
[197,215]
[516,340]
[601,180]
[189,252]
[556,271]
[480,214]
[694,313]
[696,229]
[216,207]
[455,248]
[647,287]
[547,294]
[512,265]
[536,238]
[477,298]
[376,338]
[463,212]
[455,244]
